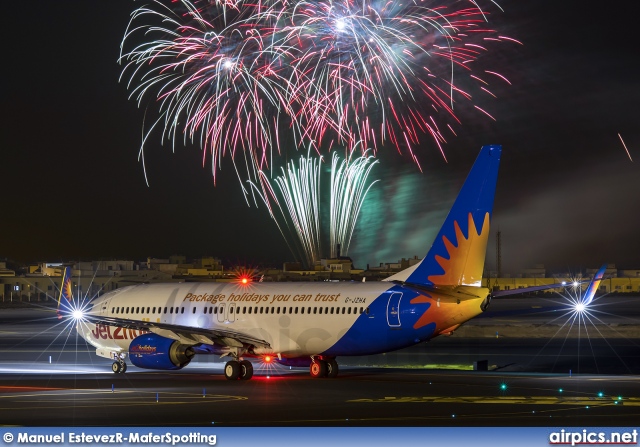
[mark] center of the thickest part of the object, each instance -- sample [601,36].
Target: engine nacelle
[152,351]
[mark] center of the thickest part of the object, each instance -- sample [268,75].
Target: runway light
[503,386]
[600,394]
[560,390]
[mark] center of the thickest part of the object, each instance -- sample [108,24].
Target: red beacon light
[244,280]
[268,359]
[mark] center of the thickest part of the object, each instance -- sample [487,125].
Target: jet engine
[151,351]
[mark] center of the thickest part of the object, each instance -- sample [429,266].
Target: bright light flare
[580,307]
[74,312]
[244,276]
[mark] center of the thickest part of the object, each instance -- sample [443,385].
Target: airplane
[162,326]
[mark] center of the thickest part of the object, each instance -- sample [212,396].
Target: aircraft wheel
[332,368]
[123,368]
[246,370]
[116,367]
[318,368]
[232,370]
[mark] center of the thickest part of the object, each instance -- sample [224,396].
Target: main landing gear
[119,367]
[323,368]
[235,370]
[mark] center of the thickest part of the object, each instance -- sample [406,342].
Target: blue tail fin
[458,252]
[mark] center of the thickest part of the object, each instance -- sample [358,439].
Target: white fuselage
[293,318]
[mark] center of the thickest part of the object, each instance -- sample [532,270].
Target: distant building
[4,271]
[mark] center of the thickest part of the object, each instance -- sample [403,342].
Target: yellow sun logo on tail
[466,259]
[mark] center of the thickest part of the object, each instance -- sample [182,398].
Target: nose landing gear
[119,367]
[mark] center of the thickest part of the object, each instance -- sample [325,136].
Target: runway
[49,377]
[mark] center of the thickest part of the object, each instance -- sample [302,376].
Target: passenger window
[171,310]
[182,310]
[194,310]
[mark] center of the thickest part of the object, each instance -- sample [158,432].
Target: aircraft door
[231,312]
[104,307]
[393,309]
[221,309]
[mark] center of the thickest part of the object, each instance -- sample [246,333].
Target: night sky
[568,195]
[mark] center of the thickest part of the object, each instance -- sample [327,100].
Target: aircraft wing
[589,293]
[185,334]
[501,293]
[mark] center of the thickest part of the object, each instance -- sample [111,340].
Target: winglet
[65,289]
[593,285]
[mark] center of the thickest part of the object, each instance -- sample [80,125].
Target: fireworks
[232,75]
[349,188]
[299,191]
[294,202]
